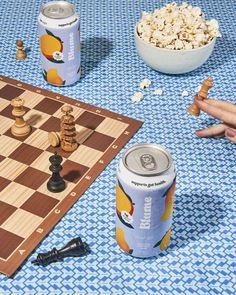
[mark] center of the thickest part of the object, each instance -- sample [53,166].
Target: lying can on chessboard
[59,33]
[145,188]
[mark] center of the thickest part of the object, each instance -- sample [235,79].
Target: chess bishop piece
[202,94]
[74,248]
[68,131]
[56,183]
[20,54]
[20,127]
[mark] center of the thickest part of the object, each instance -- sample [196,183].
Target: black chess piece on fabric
[56,183]
[74,248]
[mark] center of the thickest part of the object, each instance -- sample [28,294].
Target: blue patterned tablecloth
[201,257]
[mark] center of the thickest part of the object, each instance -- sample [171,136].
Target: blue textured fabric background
[201,257]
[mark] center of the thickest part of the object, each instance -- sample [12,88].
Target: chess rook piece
[74,248]
[20,54]
[202,94]
[56,183]
[20,127]
[68,132]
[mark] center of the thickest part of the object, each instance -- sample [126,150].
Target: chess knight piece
[56,183]
[68,132]
[20,127]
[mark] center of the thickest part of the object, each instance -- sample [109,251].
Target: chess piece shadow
[34,119]
[28,50]
[72,175]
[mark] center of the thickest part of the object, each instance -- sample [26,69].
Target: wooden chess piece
[20,54]
[56,183]
[202,94]
[68,132]
[20,127]
[54,138]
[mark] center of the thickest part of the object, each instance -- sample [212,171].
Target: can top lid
[58,9]
[147,159]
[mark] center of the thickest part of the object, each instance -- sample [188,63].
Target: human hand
[222,110]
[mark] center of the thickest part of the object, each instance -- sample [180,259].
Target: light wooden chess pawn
[20,54]
[202,94]
[54,138]
[20,127]
[68,132]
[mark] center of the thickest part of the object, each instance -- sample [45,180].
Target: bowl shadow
[223,51]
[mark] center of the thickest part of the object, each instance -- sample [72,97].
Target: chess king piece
[20,54]
[68,132]
[20,127]
[74,248]
[202,94]
[56,183]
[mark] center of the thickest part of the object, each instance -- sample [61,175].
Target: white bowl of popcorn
[175,39]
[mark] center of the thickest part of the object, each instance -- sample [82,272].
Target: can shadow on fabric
[195,216]
[93,51]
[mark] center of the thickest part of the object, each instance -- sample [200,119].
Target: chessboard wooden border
[10,266]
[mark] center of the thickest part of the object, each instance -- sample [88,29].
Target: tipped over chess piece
[20,127]
[202,94]
[54,138]
[56,183]
[20,54]
[74,248]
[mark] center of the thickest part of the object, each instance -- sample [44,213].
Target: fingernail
[198,132]
[230,132]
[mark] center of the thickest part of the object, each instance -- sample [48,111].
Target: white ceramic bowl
[172,61]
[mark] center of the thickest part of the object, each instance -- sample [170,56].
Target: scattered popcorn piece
[185,93]
[198,88]
[158,91]
[137,97]
[145,83]
[182,27]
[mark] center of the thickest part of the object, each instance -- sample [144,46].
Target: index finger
[224,105]
[225,116]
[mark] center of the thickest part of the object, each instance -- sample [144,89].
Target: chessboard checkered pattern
[201,257]
[27,209]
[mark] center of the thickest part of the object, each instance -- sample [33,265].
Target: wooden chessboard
[28,211]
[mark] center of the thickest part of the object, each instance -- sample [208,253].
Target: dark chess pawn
[56,183]
[74,248]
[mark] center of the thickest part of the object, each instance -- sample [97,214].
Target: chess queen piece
[56,183]
[20,54]
[20,127]
[68,131]
[202,94]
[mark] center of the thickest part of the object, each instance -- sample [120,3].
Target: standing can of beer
[59,33]
[145,188]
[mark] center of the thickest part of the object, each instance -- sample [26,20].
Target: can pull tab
[148,162]
[56,10]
